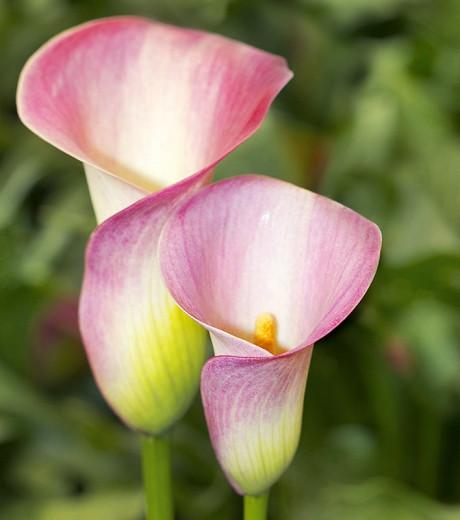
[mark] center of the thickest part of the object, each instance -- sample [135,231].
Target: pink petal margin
[146,102]
[251,245]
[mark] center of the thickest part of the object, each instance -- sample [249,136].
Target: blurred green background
[372,119]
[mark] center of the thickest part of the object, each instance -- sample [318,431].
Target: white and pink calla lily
[147,107]
[269,269]
[144,104]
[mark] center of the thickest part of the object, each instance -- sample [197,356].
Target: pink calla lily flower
[147,107]
[144,104]
[269,269]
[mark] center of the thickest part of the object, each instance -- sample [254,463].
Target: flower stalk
[156,469]
[255,507]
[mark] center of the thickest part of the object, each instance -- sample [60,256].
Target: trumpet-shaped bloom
[269,269]
[148,108]
[145,353]
[144,104]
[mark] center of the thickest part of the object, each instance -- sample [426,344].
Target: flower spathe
[254,256]
[145,353]
[148,108]
[144,104]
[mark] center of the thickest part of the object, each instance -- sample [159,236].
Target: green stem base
[255,507]
[156,468]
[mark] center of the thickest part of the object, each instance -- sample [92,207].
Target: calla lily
[146,107]
[269,269]
[145,104]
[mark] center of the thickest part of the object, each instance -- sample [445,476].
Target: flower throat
[265,333]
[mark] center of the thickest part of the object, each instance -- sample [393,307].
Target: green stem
[156,465]
[255,507]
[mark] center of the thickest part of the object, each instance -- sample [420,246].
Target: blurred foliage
[372,119]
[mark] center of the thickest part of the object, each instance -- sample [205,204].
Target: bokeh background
[372,119]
